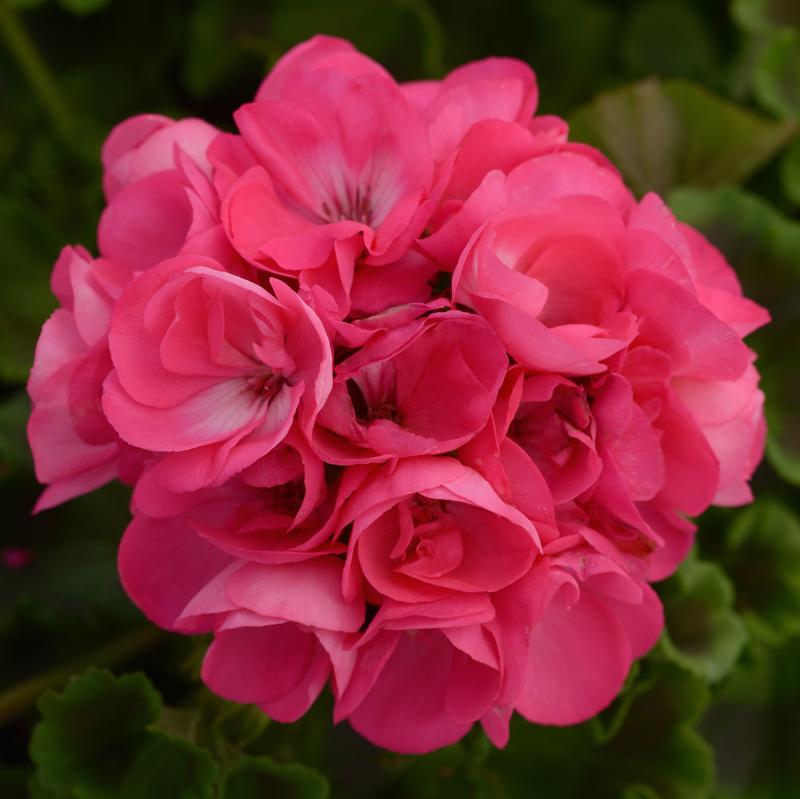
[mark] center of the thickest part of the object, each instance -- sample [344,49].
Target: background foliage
[697,100]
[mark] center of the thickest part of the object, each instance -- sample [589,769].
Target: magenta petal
[146,221]
[279,667]
[578,660]
[163,564]
[308,593]
[406,710]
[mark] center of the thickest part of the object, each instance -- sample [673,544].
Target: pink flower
[74,448]
[660,386]
[211,369]
[416,398]
[273,625]
[147,144]
[585,610]
[550,279]
[499,165]
[160,196]
[424,673]
[337,158]
[275,511]
[554,425]
[496,88]
[429,528]
[394,397]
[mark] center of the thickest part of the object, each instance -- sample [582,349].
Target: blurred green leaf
[755,723]
[668,39]
[656,751]
[83,6]
[25,300]
[443,774]
[227,42]
[776,76]
[608,722]
[256,777]
[790,172]
[170,768]
[24,4]
[14,782]
[763,16]
[762,556]
[702,633]
[90,734]
[569,58]
[38,791]
[14,452]
[670,133]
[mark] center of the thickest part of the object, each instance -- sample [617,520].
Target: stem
[32,65]
[18,699]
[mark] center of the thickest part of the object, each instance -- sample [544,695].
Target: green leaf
[668,39]
[91,734]
[762,557]
[608,722]
[24,4]
[447,773]
[14,452]
[81,7]
[257,777]
[764,16]
[655,752]
[14,781]
[568,58]
[25,301]
[658,749]
[776,77]
[95,741]
[170,768]
[662,134]
[38,791]
[754,725]
[790,172]
[702,633]
[227,45]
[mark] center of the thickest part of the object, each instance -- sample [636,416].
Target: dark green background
[697,100]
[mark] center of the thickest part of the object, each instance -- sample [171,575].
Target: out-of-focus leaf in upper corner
[569,59]
[668,39]
[776,74]
[227,48]
[663,134]
[763,16]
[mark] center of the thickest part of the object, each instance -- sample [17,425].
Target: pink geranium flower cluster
[415,396]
